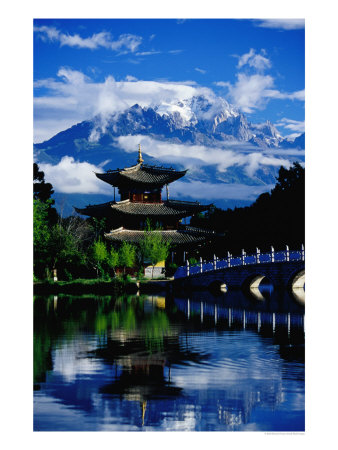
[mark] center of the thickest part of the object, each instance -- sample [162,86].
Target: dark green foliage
[41,236]
[63,244]
[193,261]
[99,226]
[65,252]
[276,218]
[170,269]
[43,191]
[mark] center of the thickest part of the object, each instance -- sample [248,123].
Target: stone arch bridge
[285,269]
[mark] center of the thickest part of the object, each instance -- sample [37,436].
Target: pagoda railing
[241,260]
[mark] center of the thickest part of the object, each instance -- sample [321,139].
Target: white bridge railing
[242,260]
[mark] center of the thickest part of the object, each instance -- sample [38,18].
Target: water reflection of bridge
[236,316]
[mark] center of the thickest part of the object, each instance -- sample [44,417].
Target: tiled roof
[172,208]
[141,174]
[168,208]
[101,210]
[184,236]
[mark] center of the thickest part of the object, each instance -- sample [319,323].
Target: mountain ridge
[212,138]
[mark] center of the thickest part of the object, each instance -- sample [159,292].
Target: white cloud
[251,92]
[217,191]
[104,39]
[200,70]
[74,177]
[74,97]
[152,52]
[131,78]
[254,60]
[195,157]
[293,125]
[283,24]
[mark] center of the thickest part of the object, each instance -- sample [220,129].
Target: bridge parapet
[243,260]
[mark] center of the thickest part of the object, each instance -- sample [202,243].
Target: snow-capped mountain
[195,121]
[207,135]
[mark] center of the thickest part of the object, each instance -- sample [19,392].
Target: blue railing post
[287,254]
[242,257]
[201,265]
[257,255]
[272,254]
[303,253]
[188,268]
[229,260]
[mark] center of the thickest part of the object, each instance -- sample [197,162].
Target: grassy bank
[80,286]
[99,286]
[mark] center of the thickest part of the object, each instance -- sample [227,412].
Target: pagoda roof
[187,235]
[141,175]
[169,208]
[101,210]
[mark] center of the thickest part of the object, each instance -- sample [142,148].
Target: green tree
[98,226]
[127,255]
[154,248]
[40,223]
[276,218]
[64,251]
[100,255]
[290,180]
[41,236]
[43,191]
[113,258]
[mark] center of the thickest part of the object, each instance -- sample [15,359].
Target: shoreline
[101,287]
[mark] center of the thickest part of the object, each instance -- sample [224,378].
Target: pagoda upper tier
[141,176]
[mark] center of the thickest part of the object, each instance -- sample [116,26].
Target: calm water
[150,363]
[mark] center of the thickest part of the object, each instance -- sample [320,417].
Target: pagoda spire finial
[139,159]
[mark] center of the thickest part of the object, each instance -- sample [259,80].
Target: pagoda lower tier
[184,236]
[135,214]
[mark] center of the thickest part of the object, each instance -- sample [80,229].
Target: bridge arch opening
[297,285]
[259,286]
[218,286]
[298,280]
[258,281]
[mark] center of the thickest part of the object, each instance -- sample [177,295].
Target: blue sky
[256,65]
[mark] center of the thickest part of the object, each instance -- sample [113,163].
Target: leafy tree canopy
[127,254]
[43,191]
[153,247]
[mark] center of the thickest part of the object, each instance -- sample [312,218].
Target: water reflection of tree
[57,319]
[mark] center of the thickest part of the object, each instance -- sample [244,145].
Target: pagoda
[140,188]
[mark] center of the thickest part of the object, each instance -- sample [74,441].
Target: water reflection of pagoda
[140,188]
